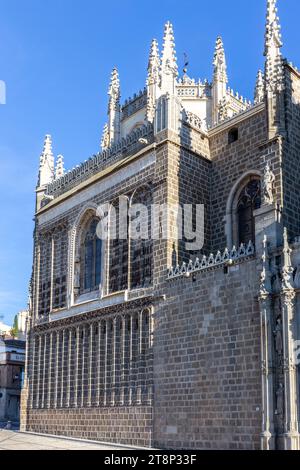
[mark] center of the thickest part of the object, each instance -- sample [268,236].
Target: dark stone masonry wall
[124,425]
[291,151]
[230,162]
[207,362]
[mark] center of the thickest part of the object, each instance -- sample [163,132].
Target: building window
[91,259]
[248,201]
[118,249]
[141,246]
[233,135]
[161,115]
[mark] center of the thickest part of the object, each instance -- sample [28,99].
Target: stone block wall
[291,152]
[126,425]
[207,375]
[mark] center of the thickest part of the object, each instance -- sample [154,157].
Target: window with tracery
[249,200]
[118,251]
[141,247]
[91,261]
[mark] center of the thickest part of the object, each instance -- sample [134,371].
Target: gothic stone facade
[143,342]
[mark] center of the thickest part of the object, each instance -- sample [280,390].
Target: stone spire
[154,64]
[105,138]
[169,68]
[220,79]
[46,171]
[259,88]
[153,80]
[274,72]
[274,67]
[60,168]
[114,108]
[220,67]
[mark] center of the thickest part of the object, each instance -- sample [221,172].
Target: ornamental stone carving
[267,187]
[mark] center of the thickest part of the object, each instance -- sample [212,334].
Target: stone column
[113,368]
[123,361]
[91,351]
[39,373]
[291,432]
[83,365]
[70,372]
[77,367]
[56,370]
[50,369]
[33,372]
[139,360]
[106,359]
[268,431]
[99,359]
[44,371]
[62,377]
[131,346]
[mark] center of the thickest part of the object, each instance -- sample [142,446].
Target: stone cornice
[96,178]
[100,314]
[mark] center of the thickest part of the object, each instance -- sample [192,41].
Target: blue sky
[56,57]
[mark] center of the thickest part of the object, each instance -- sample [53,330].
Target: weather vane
[186,63]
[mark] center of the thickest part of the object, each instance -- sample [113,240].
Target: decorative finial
[114,108]
[169,60]
[274,72]
[154,64]
[220,68]
[114,87]
[60,169]
[46,172]
[259,88]
[47,150]
[105,138]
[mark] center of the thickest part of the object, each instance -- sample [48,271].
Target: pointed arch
[232,207]
[79,230]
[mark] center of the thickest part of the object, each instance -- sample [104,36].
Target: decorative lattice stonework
[227,258]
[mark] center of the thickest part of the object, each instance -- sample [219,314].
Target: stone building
[143,341]
[12,362]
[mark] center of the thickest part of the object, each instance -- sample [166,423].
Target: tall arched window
[141,245]
[91,259]
[248,201]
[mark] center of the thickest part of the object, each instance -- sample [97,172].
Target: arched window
[118,246]
[248,201]
[91,259]
[141,245]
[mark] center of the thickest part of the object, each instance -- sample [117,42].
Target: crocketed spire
[153,80]
[46,171]
[274,74]
[154,63]
[259,88]
[220,68]
[114,89]
[60,168]
[169,67]
[114,109]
